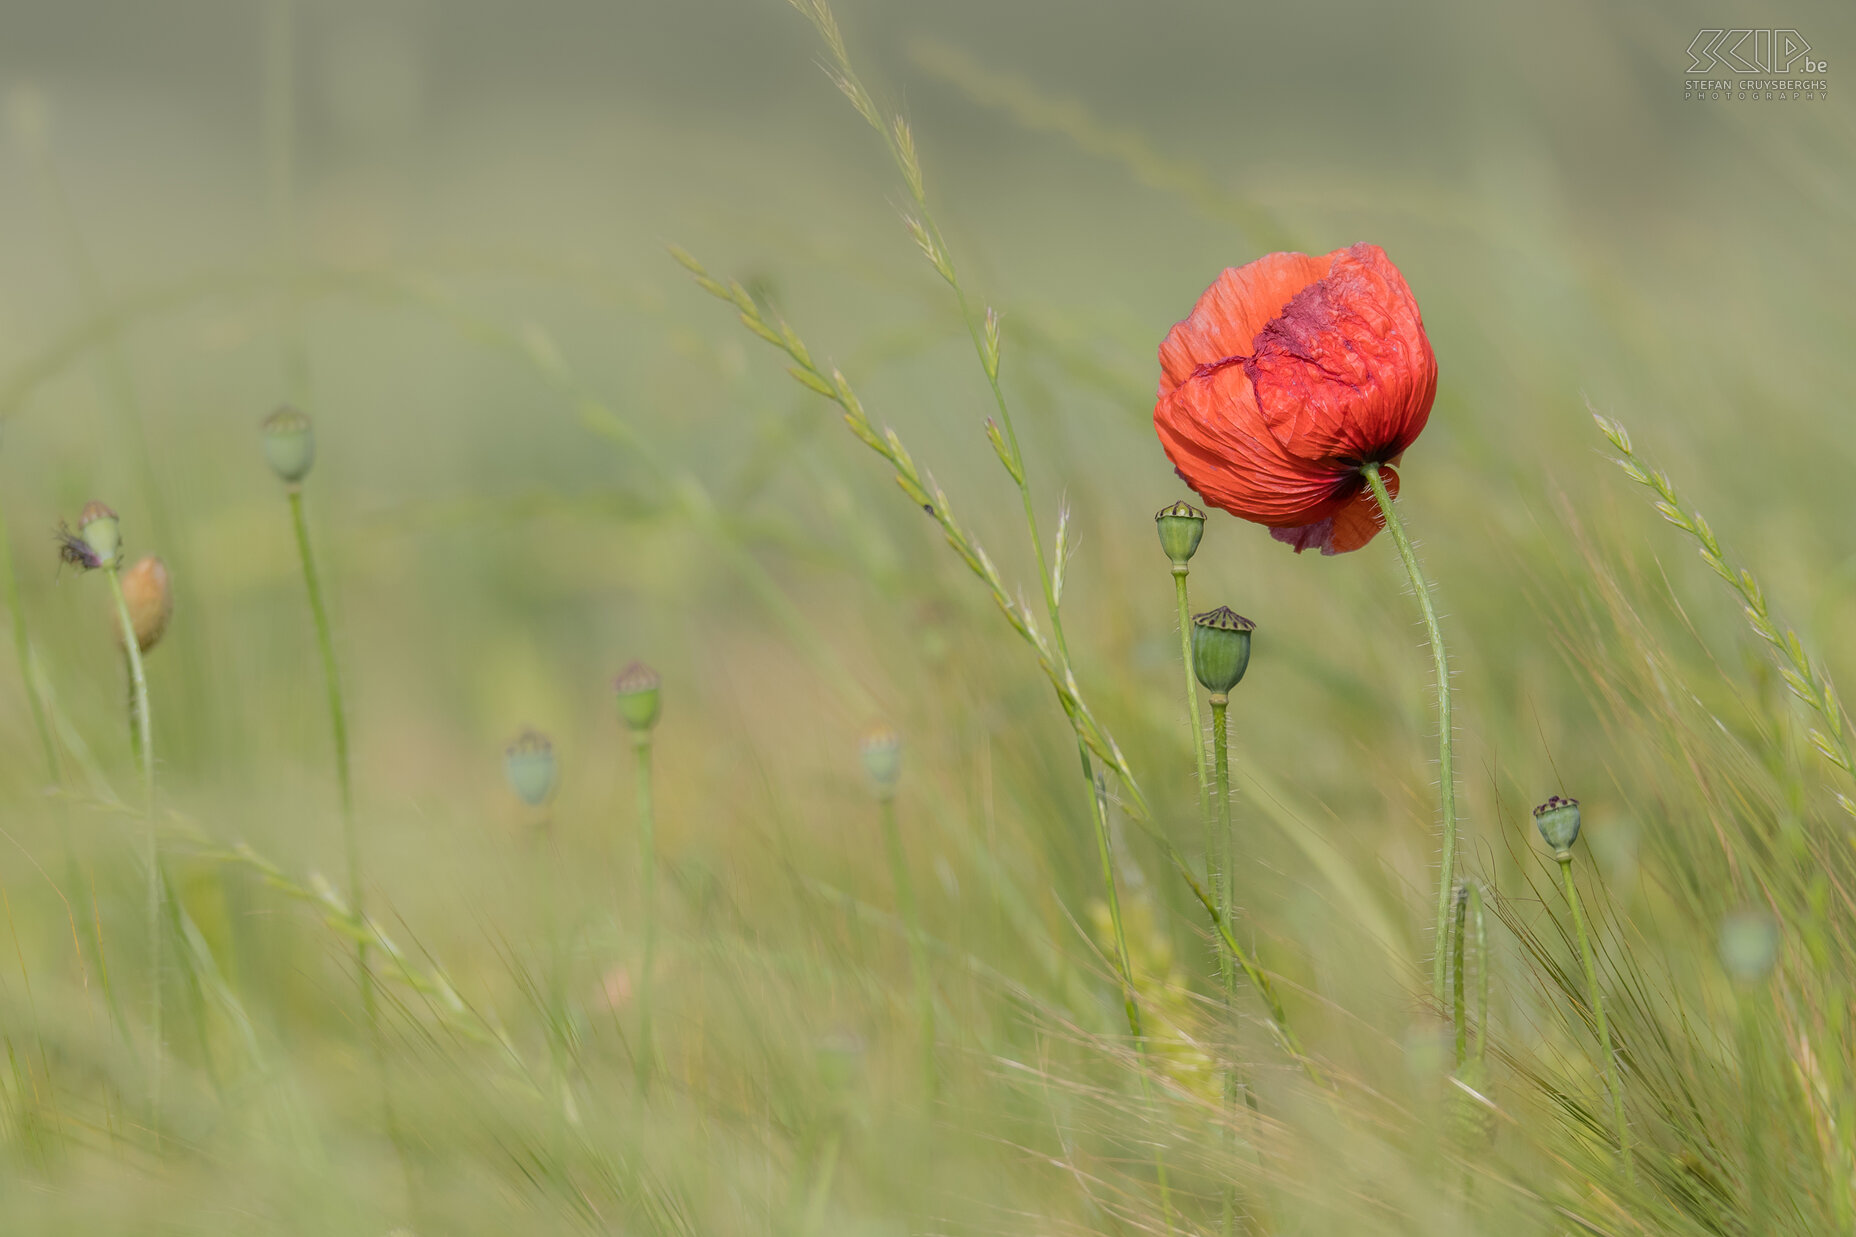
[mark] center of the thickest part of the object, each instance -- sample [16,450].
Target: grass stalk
[899,141]
[1621,1127]
[647,857]
[145,750]
[1091,734]
[1446,735]
[918,944]
[1806,679]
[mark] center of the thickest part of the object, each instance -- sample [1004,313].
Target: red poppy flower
[1291,374]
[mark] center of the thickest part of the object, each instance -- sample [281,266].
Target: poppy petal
[1234,310]
[1215,435]
[1356,522]
[1345,372]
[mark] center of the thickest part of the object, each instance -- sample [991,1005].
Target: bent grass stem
[1446,737]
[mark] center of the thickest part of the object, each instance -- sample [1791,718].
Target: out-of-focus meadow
[442,231]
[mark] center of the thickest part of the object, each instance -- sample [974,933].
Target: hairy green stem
[918,944]
[647,850]
[1586,956]
[1446,737]
[145,750]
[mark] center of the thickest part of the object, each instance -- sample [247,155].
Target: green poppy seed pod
[1181,526]
[636,688]
[529,764]
[1749,945]
[1221,648]
[881,750]
[1558,822]
[289,444]
[102,532]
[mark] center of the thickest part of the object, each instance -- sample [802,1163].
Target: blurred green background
[441,229]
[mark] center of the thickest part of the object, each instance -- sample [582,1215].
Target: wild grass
[925,907]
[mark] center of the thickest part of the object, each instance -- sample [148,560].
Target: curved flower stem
[145,751]
[1598,1014]
[1446,737]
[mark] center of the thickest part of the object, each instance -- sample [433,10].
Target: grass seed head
[529,764]
[1221,648]
[289,444]
[636,688]
[1558,822]
[1181,526]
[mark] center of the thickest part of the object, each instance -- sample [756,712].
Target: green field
[458,237]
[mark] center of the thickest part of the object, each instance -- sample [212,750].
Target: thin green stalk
[1753,1085]
[1458,1013]
[1180,572]
[1482,972]
[1221,887]
[1221,878]
[338,727]
[1586,956]
[351,840]
[647,843]
[145,744]
[918,944]
[1446,737]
